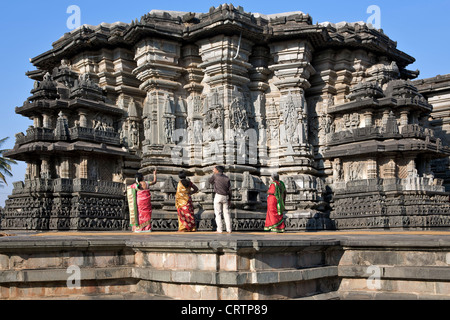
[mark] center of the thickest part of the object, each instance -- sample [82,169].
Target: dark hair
[139,177]
[221,169]
[182,175]
[183,178]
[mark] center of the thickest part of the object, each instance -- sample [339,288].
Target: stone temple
[331,107]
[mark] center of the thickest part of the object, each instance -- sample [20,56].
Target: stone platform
[356,265]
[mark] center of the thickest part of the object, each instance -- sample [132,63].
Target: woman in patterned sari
[183,202]
[275,205]
[140,205]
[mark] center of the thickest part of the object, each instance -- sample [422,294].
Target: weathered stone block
[181,276]
[4,262]
[310,258]
[207,262]
[228,262]
[270,261]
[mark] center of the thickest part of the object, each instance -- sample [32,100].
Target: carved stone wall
[331,108]
[437,91]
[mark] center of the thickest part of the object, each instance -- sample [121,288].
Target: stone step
[383,295]
[81,297]
[233,278]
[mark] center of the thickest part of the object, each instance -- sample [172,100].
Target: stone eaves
[225,19]
[24,152]
[435,84]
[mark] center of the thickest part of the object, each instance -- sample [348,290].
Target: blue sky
[30,27]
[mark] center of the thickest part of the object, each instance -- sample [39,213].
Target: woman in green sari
[275,205]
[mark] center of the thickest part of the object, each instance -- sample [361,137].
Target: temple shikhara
[331,107]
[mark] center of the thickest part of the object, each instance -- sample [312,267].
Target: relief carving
[239,117]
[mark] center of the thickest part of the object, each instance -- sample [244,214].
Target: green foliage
[5,164]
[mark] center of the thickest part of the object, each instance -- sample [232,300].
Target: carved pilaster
[193,75]
[259,74]
[159,71]
[83,168]
[293,69]
[225,65]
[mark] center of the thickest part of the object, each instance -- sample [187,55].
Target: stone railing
[423,184]
[76,133]
[90,134]
[68,185]
[354,135]
[416,131]
[35,134]
[395,184]
[369,133]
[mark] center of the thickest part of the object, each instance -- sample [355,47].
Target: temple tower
[330,107]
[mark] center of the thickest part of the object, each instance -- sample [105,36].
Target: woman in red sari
[183,202]
[140,205]
[275,205]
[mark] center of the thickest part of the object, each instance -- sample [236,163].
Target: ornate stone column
[193,76]
[292,70]
[230,127]
[372,168]
[83,168]
[37,121]
[258,85]
[45,168]
[47,120]
[404,118]
[368,118]
[83,118]
[225,64]
[64,169]
[158,69]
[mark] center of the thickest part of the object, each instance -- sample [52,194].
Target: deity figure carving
[147,129]
[134,135]
[168,129]
[290,118]
[239,117]
[337,170]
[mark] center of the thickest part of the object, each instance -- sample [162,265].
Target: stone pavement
[370,238]
[303,235]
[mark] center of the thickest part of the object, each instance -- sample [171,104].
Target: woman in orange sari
[275,205]
[140,205]
[183,202]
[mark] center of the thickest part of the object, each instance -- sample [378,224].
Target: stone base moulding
[242,268]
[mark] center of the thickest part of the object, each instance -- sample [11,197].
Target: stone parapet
[242,267]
